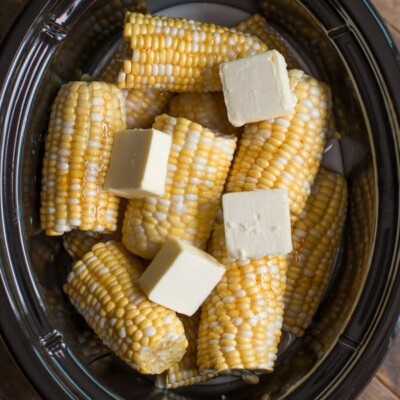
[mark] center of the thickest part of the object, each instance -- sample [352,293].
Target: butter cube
[256,88]
[138,165]
[181,277]
[257,223]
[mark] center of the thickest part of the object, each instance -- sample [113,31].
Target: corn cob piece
[103,287]
[78,243]
[185,372]
[285,152]
[360,237]
[207,109]
[316,237]
[257,26]
[179,55]
[143,106]
[197,169]
[241,320]
[110,71]
[77,153]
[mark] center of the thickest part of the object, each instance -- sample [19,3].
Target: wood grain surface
[390,11]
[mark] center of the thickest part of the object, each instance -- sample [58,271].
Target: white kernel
[168,41]
[90,193]
[298,159]
[315,113]
[63,152]
[168,69]
[96,117]
[62,166]
[94,144]
[228,336]
[80,269]
[97,101]
[281,160]
[122,332]
[282,122]
[62,228]
[315,90]
[154,69]
[194,181]
[167,320]
[150,331]
[229,299]
[288,176]
[160,216]
[200,160]
[103,271]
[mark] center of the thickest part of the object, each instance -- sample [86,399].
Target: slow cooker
[51,353]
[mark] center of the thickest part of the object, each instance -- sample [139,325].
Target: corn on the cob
[111,70]
[207,109]
[241,320]
[143,106]
[354,268]
[179,55]
[316,237]
[257,26]
[103,287]
[78,243]
[197,169]
[77,153]
[285,152]
[185,372]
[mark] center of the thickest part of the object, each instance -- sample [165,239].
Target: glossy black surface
[342,43]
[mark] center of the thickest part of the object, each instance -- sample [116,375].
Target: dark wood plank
[376,390]
[389,373]
[390,11]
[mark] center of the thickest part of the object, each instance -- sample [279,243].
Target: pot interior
[92,30]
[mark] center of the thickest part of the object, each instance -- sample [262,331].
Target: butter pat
[138,165]
[257,223]
[181,277]
[256,88]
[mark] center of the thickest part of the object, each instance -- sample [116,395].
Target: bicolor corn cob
[78,243]
[103,287]
[207,109]
[110,71]
[83,342]
[185,372]
[197,169]
[143,106]
[241,320]
[360,236]
[83,121]
[179,55]
[285,152]
[257,26]
[316,238]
